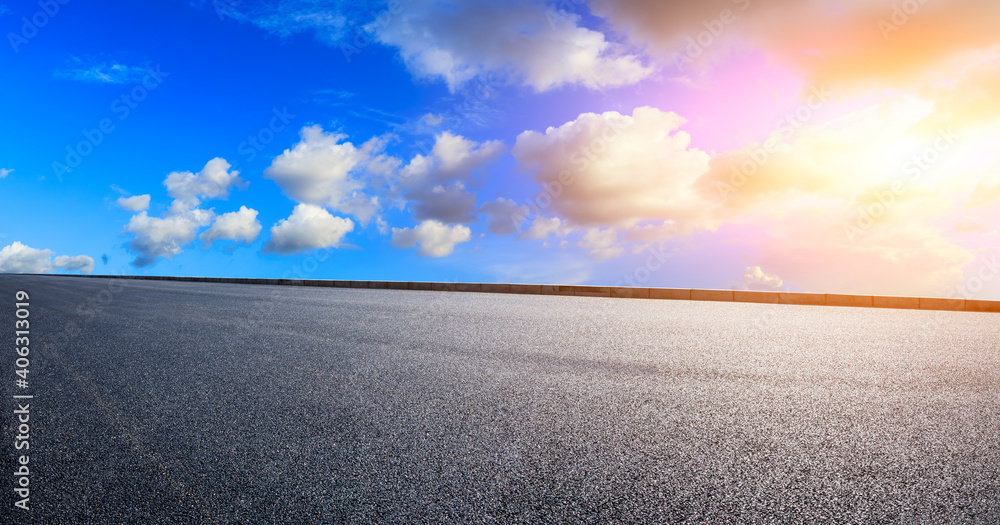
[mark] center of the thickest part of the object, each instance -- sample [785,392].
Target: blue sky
[424,140]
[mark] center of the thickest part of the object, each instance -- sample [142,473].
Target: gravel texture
[168,402]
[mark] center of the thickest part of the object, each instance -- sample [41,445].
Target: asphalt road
[170,402]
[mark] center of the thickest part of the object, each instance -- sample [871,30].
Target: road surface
[172,402]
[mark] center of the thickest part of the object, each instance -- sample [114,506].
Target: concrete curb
[729,296]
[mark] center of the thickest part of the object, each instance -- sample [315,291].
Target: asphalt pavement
[173,402]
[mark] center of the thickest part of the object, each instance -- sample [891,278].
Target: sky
[798,145]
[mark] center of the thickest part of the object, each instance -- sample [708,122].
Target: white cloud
[433,238]
[164,237]
[101,71]
[504,216]
[239,226]
[831,42]
[134,203]
[459,40]
[309,227]
[430,119]
[19,258]
[156,237]
[617,170]
[601,244]
[542,227]
[755,279]
[80,263]
[436,185]
[212,182]
[4,172]
[910,258]
[323,171]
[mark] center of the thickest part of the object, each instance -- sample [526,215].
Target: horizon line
[615,292]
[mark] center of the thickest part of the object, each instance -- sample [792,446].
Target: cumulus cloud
[80,263]
[860,203]
[459,40]
[166,236]
[19,258]
[504,216]
[134,203]
[309,227]
[324,171]
[433,238]
[212,182]
[437,185]
[4,172]
[601,244]
[238,226]
[901,259]
[614,169]
[543,227]
[156,237]
[755,279]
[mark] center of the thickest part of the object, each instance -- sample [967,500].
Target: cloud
[328,26]
[134,203]
[436,185]
[459,40]
[504,216]
[542,227]
[19,258]
[433,238]
[212,182]
[601,244]
[857,150]
[430,119]
[323,171]
[80,263]
[239,226]
[850,42]
[902,259]
[755,279]
[164,237]
[614,170]
[4,172]
[794,204]
[309,227]
[101,71]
